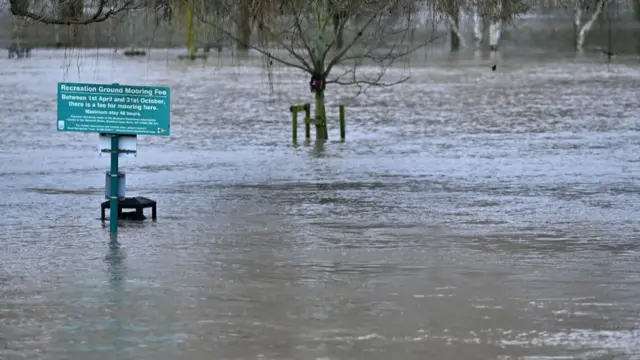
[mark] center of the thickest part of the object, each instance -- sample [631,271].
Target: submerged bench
[19,52]
[137,203]
[134,52]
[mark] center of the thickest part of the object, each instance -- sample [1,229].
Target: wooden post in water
[342,123]
[294,121]
[307,122]
[322,122]
[294,125]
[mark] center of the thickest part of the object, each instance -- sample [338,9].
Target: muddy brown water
[470,214]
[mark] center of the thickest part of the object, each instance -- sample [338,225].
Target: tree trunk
[495,27]
[56,35]
[635,5]
[72,10]
[454,20]
[191,40]
[243,23]
[338,30]
[477,27]
[494,35]
[584,30]
[321,130]
[132,31]
[577,20]
[76,11]
[457,38]
[18,23]
[17,32]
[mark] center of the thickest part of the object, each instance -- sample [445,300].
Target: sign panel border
[113,109]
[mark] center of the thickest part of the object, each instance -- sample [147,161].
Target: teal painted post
[113,222]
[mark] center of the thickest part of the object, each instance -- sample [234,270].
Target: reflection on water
[471,214]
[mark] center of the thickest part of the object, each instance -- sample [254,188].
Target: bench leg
[102,213]
[153,212]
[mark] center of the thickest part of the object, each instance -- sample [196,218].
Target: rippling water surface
[471,214]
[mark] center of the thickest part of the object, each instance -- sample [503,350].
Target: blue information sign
[113,109]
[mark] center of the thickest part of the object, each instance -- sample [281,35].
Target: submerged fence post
[342,123]
[294,121]
[307,122]
[294,125]
[321,123]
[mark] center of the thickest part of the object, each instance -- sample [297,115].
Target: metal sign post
[113,221]
[121,112]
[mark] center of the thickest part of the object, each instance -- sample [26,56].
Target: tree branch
[18,9]
[348,47]
[376,82]
[298,25]
[380,53]
[455,28]
[304,65]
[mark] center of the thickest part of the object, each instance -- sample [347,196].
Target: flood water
[470,214]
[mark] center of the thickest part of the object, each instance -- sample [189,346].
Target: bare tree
[494,12]
[244,23]
[591,7]
[73,12]
[452,10]
[331,39]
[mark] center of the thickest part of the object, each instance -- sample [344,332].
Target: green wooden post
[307,124]
[294,124]
[342,123]
[113,196]
[307,121]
